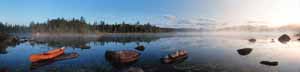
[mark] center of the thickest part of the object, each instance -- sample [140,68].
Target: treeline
[10,28]
[61,25]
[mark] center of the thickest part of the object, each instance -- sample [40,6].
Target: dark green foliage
[9,28]
[61,25]
[128,28]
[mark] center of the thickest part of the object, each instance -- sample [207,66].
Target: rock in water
[269,63]
[84,46]
[176,57]
[252,40]
[140,48]
[122,57]
[284,38]
[244,51]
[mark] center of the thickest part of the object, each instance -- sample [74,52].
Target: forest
[61,25]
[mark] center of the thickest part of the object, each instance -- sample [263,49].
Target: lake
[207,52]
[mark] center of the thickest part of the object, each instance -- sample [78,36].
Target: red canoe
[46,56]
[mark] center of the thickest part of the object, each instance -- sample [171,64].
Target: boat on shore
[46,56]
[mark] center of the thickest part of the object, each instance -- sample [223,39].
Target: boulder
[122,57]
[176,57]
[252,40]
[284,38]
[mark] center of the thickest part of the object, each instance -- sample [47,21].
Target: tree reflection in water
[82,41]
[5,45]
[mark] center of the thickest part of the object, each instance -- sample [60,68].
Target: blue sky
[24,11]
[167,13]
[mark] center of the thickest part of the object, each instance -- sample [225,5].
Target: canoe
[123,56]
[177,56]
[65,56]
[46,56]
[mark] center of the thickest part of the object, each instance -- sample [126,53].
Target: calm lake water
[208,52]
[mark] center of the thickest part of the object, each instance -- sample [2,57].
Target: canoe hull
[46,56]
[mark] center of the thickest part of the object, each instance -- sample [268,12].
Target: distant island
[61,25]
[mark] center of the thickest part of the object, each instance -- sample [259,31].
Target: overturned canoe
[46,56]
[123,56]
[178,56]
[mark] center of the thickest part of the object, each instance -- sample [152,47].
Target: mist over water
[208,51]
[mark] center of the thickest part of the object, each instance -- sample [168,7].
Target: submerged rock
[244,51]
[252,40]
[284,38]
[269,63]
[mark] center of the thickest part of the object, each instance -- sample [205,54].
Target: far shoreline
[97,34]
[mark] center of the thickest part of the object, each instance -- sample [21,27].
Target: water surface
[211,52]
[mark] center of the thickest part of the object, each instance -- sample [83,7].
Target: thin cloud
[199,22]
[170,17]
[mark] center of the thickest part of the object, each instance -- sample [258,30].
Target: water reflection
[4,70]
[4,45]
[128,69]
[3,48]
[128,38]
[122,57]
[82,41]
[209,53]
[149,68]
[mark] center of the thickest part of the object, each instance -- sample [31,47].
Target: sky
[165,13]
